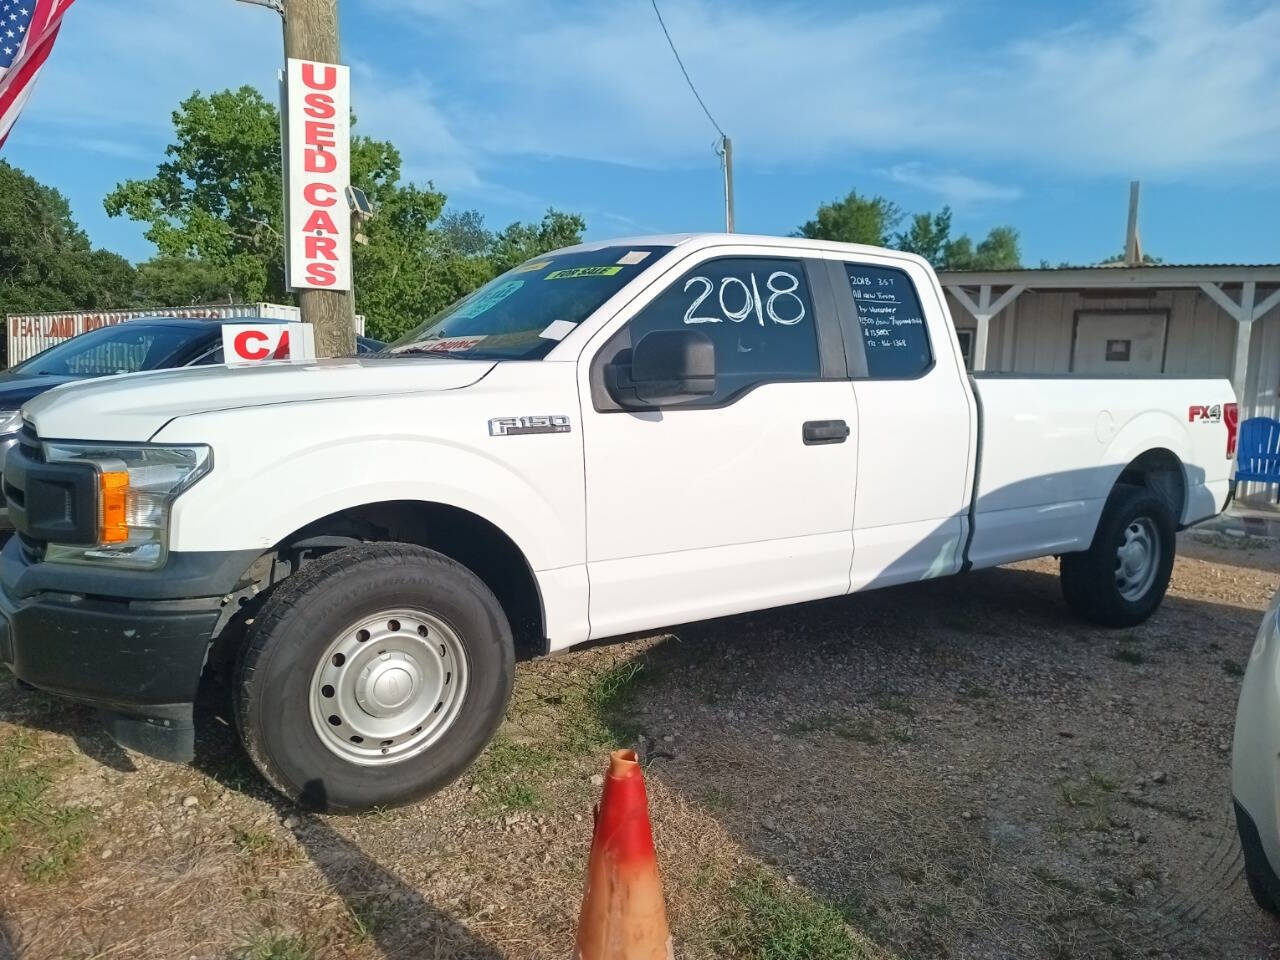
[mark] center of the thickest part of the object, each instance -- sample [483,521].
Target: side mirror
[667,367]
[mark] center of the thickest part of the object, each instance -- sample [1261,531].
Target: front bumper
[135,651]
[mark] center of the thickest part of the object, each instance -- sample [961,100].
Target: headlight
[136,490]
[10,421]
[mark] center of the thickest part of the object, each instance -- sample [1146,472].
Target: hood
[133,407]
[16,389]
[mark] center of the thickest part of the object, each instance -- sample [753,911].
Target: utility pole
[311,33]
[1132,242]
[726,146]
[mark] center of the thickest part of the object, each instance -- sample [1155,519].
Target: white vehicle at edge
[610,438]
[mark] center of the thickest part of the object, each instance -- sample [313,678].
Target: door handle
[825,431]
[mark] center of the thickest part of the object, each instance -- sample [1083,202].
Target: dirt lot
[954,769]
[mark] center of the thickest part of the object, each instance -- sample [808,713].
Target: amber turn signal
[113,488]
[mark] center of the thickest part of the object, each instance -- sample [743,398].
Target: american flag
[27,31]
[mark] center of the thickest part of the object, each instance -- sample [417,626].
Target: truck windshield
[528,310]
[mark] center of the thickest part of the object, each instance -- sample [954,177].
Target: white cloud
[1161,87]
[958,189]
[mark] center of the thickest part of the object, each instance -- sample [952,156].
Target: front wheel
[373,677]
[1121,579]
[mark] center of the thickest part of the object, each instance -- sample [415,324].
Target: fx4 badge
[1205,414]
[520,426]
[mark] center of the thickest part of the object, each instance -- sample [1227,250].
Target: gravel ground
[951,769]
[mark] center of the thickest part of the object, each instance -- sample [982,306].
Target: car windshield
[122,348]
[525,312]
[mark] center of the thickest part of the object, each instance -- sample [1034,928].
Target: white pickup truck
[610,438]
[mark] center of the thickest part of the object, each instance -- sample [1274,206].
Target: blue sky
[1031,114]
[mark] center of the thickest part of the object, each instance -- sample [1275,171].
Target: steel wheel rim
[1137,559]
[388,687]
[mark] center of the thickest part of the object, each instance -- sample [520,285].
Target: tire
[1258,890]
[358,646]
[1115,589]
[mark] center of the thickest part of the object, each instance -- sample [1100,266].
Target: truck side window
[758,313]
[893,328]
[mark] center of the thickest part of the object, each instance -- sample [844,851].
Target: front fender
[267,484]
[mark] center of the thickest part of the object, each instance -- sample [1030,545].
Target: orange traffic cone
[622,913]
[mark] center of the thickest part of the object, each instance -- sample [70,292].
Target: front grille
[32,550]
[48,502]
[30,443]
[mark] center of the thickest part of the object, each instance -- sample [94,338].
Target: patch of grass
[1232,669]
[598,716]
[369,917]
[519,796]
[717,799]
[774,922]
[975,691]
[1091,797]
[253,842]
[863,731]
[504,770]
[893,703]
[30,820]
[1128,655]
[272,946]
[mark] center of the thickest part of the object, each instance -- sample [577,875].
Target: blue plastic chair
[1258,451]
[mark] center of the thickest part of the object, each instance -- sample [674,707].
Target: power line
[688,80]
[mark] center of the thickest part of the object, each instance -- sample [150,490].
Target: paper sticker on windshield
[532,267]
[582,272]
[486,300]
[633,257]
[558,330]
[443,345]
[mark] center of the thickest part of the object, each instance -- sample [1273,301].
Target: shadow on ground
[959,764]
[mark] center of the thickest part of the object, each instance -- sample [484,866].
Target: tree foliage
[218,200]
[46,260]
[870,220]
[855,219]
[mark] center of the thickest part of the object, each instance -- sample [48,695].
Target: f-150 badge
[520,426]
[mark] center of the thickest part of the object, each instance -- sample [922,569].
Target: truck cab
[610,438]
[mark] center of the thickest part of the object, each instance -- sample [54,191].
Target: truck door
[917,423]
[736,499]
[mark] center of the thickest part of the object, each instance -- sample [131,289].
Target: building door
[1119,343]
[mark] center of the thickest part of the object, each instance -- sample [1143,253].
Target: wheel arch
[1161,471]
[471,540]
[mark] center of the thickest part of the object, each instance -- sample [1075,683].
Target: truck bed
[1051,448]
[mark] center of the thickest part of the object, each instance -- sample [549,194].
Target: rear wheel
[373,677]
[1122,578]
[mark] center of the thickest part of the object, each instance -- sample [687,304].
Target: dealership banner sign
[316,123]
[245,343]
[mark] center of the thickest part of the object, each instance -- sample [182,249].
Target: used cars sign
[318,159]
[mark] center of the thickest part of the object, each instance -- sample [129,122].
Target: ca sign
[317,127]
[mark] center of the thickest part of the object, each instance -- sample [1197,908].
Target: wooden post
[727,145]
[311,33]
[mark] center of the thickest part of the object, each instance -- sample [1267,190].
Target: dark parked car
[148,343]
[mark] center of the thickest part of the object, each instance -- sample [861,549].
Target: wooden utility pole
[726,145]
[311,33]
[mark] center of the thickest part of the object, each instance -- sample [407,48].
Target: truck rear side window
[758,313]
[892,322]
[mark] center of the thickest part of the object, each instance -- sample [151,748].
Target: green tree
[522,241]
[928,235]
[855,219]
[46,260]
[218,199]
[179,282]
[999,251]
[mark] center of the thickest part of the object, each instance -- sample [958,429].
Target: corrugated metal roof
[1124,266]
